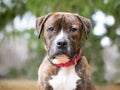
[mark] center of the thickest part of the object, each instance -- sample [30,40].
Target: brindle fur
[46,70]
[64,21]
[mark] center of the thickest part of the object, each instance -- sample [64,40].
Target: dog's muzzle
[62,44]
[60,47]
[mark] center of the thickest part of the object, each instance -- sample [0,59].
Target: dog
[64,67]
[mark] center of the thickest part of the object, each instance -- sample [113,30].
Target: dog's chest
[66,79]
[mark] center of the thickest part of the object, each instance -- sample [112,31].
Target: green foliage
[30,68]
[8,12]
[13,73]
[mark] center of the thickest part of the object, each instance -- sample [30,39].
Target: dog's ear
[40,23]
[87,24]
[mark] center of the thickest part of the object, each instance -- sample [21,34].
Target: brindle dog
[63,40]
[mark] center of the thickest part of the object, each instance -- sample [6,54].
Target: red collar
[72,62]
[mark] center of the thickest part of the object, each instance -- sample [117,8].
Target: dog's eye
[73,29]
[50,29]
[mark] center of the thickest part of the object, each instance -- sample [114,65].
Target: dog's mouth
[60,54]
[61,57]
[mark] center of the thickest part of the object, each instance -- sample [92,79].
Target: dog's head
[63,33]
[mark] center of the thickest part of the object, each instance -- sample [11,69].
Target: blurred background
[21,51]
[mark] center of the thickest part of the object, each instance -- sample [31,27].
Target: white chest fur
[65,79]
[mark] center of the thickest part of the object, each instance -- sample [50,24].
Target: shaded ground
[32,85]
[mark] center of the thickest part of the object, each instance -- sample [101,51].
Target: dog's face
[63,33]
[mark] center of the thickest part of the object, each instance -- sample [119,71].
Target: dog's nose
[61,44]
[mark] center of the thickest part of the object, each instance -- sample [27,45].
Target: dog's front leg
[46,70]
[44,86]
